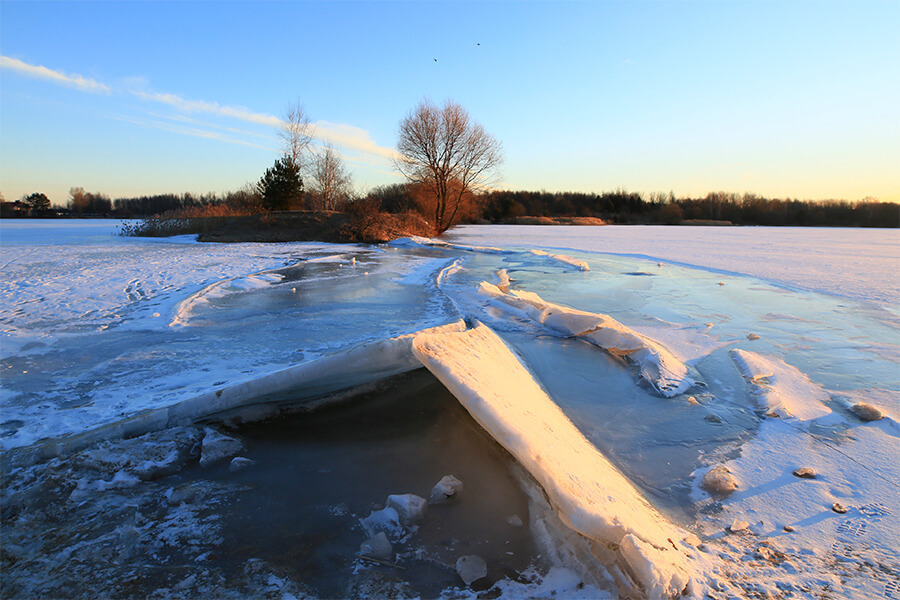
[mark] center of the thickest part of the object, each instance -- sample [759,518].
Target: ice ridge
[668,375]
[590,495]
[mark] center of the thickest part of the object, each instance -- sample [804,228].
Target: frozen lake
[97,328]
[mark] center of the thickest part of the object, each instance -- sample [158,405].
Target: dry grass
[189,220]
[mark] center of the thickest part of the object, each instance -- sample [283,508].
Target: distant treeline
[624,207]
[618,206]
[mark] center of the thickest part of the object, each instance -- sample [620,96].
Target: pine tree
[281,187]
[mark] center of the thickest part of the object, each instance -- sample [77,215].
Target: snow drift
[589,493]
[667,374]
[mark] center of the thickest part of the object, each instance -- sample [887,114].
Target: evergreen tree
[39,202]
[281,187]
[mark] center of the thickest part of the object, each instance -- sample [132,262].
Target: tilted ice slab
[781,389]
[589,493]
[667,374]
[563,258]
[303,383]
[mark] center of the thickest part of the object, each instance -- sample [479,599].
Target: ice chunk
[385,520]
[867,412]
[378,546]
[471,568]
[590,494]
[579,264]
[409,507]
[660,578]
[781,390]
[217,446]
[503,280]
[668,375]
[719,481]
[445,489]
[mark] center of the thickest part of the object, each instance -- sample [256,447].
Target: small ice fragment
[471,568]
[410,508]
[719,480]
[445,489]
[378,546]
[515,521]
[692,401]
[805,473]
[710,324]
[353,261]
[692,540]
[386,520]
[839,508]
[737,526]
[788,528]
[752,336]
[867,412]
[239,463]
[217,446]
[156,314]
[721,283]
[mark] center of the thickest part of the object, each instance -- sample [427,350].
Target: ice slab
[667,374]
[590,494]
[781,389]
[304,382]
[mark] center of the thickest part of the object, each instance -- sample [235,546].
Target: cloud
[39,72]
[347,137]
[350,138]
[344,136]
[236,112]
[190,131]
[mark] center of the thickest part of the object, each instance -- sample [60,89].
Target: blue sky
[786,99]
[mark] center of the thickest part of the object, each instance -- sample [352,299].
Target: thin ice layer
[590,494]
[781,389]
[667,374]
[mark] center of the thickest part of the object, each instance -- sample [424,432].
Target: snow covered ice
[133,337]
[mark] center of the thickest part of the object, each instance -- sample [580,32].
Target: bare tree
[331,182]
[450,155]
[295,134]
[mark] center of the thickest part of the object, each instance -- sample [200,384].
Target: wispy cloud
[190,131]
[183,104]
[77,81]
[347,137]
[350,138]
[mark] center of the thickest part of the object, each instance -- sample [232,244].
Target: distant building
[14,209]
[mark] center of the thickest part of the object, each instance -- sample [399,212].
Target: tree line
[623,207]
[616,206]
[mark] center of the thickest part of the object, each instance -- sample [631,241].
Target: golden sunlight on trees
[330,181]
[448,155]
